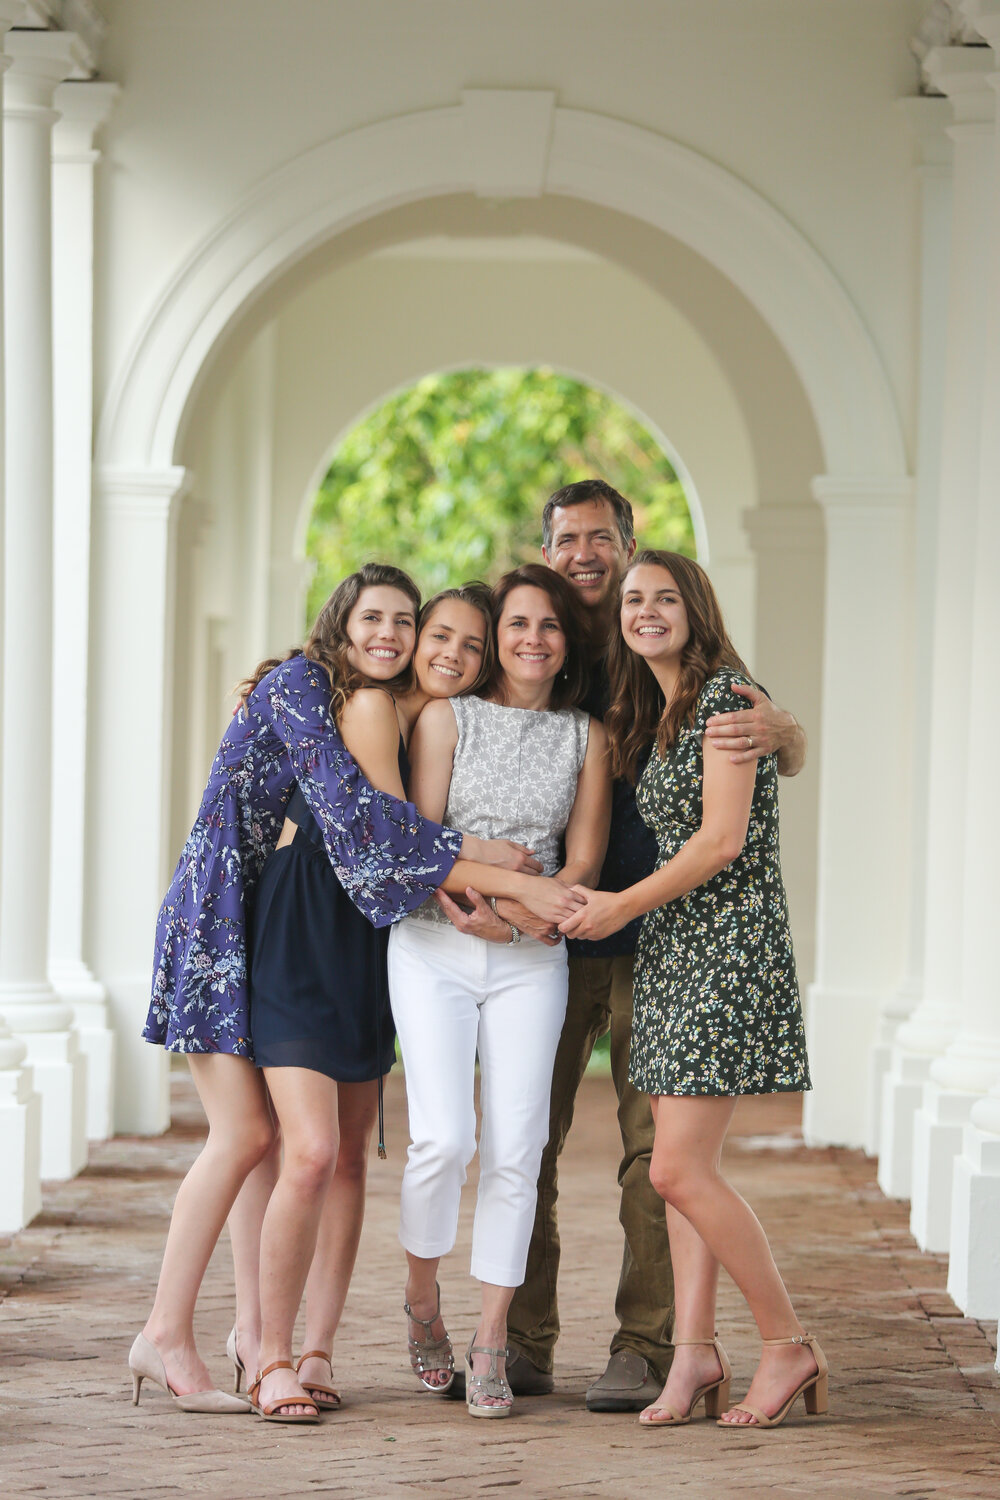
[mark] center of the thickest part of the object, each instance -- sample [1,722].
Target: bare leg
[306,1105]
[245,1220]
[685,1170]
[240,1133]
[421,1297]
[492,1334]
[339,1232]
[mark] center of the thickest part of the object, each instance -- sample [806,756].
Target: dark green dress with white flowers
[716,996]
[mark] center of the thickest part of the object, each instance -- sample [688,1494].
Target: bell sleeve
[387,856]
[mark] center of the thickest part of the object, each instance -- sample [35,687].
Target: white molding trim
[366,172]
[141,492]
[508,133]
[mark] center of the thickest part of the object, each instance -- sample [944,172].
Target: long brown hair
[328,642]
[478,595]
[571,682]
[638,712]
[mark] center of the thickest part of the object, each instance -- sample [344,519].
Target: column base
[75,984]
[937,1140]
[60,1074]
[974,1263]
[902,1091]
[142,1071]
[20,1150]
[840,1025]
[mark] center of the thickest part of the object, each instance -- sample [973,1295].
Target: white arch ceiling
[542,149]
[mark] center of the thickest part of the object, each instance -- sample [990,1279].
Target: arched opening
[450,474]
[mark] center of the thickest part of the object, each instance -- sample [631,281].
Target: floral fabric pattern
[387,857]
[716,996]
[514,776]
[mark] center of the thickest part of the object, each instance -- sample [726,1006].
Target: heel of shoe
[717,1399]
[137,1380]
[237,1379]
[817,1396]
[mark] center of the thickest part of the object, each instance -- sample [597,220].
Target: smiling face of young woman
[449,654]
[382,631]
[653,617]
[531,646]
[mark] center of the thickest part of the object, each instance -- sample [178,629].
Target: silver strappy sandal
[428,1353]
[491,1386]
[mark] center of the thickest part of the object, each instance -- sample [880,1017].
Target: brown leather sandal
[273,1413]
[311,1387]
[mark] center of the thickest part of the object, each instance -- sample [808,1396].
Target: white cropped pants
[453,995]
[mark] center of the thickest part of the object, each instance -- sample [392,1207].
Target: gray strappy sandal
[492,1385]
[428,1353]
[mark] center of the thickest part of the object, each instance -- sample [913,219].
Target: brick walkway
[915,1401]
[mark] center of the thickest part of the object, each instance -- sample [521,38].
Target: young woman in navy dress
[388,858]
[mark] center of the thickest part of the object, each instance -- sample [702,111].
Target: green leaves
[448,478]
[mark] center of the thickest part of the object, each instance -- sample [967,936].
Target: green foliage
[448,478]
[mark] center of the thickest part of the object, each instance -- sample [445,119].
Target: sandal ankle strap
[315,1354]
[799,1338]
[680,1343]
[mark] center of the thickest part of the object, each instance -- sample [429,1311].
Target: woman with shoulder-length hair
[717,1012]
[388,859]
[521,761]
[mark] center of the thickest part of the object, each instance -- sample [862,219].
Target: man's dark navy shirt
[632,848]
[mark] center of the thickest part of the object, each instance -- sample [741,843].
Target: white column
[20,1106]
[972,1062]
[864,830]
[962,73]
[787,542]
[130,853]
[32,1009]
[897,1074]
[83,108]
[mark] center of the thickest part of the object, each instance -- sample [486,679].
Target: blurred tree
[448,478]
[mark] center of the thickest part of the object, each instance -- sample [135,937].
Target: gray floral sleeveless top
[514,777]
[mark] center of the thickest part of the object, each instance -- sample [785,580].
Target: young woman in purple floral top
[387,858]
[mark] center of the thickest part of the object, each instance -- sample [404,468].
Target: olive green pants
[600,999]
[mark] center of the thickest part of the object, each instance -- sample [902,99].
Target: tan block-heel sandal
[715,1394]
[273,1411]
[312,1387]
[428,1353]
[814,1390]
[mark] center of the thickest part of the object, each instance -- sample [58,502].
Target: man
[588,537]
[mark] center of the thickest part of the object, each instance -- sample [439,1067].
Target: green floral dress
[716,997]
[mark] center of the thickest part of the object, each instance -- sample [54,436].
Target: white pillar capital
[857,500]
[963,74]
[147,493]
[784,528]
[82,107]
[984,15]
[40,61]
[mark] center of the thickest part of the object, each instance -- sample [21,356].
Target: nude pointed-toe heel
[239,1368]
[145,1363]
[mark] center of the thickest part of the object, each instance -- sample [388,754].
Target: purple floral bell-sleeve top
[385,854]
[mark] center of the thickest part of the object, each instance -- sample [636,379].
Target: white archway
[503,145]
[572,153]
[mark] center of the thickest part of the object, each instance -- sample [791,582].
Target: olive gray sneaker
[628,1384]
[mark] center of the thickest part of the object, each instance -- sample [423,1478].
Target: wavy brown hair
[639,713]
[478,595]
[571,681]
[328,642]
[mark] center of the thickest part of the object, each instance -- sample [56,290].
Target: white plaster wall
[793,97]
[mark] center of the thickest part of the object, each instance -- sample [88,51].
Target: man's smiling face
[587,548]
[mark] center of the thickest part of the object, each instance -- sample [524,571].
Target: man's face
[587,548]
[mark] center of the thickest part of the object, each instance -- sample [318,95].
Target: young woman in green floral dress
[717,1010]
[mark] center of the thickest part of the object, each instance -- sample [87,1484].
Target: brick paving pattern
[915,1402]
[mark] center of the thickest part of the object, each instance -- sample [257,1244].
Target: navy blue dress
[319,994]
